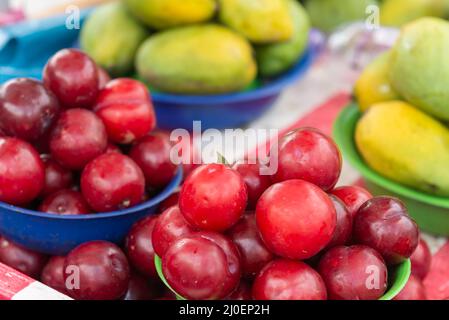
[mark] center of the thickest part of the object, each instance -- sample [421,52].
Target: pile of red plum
[80,143]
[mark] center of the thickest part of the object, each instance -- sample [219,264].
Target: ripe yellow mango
[260,21]
[111,36]
[405,145]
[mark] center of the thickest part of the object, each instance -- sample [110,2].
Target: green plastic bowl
[398,277]
[430,212]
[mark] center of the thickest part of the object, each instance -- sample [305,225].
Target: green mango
[419,66]
[111,37]
[260,21]
[327,15]
[405,145]
[162,14]
[395,13]
[273,59]
[199,59]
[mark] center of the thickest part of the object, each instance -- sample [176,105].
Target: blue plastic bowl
[57,235]
[25,48]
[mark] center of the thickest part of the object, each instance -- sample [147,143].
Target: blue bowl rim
[164,194]
[272,87]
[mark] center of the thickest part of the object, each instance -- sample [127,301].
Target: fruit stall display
[81,149]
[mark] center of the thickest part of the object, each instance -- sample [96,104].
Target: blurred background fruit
[261,21]
[374,85]
[198,59]
[111,37]
[403,96]
[240,79]
[273,59]
[398,12]
[397,139]
[162,14]
[419,69]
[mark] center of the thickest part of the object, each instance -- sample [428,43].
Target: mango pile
[328,15]
[404,97]
[197,46]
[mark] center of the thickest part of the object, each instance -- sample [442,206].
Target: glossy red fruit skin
[232,257]
[126,109]
[255,182]
[413,290]
[243,292]
[346,272]
[72,76]
[65,202]
[171,201]
[196,268]
[140,288]
[310,155]
[296,219]
[78,137]
[383,224]
[103,77]
[343,230]
[103,271]
[26,261]
[27,109]
[56,177]
[152,155]
[213,197]
[22,172]
[139,246]
[254,254]
[112,182]
[353,197]
[421,260]
[288,280]
[53,274]
[170,227]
